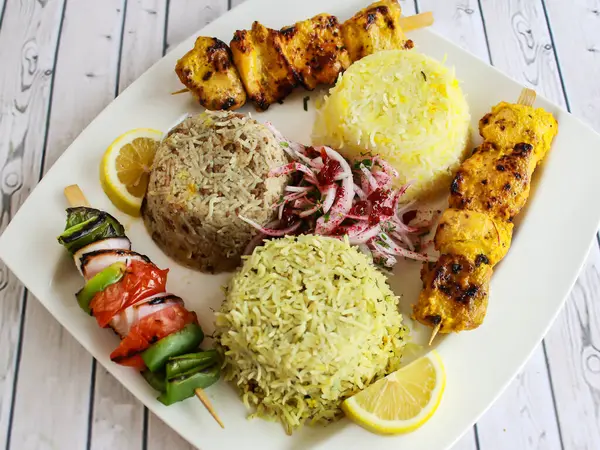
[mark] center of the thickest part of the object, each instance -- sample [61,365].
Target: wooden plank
[523,417]
[28,45]
[118,417]
[160,436]
[573,348]
[578,49]
[118,420]
[45,340]
[90,74]
[573,343]
[459,21]
[143,38]
[189,16]
[521,45]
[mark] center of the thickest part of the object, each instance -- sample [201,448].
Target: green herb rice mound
[308,321]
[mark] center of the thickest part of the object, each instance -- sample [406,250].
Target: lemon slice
[125,168]
[402,401]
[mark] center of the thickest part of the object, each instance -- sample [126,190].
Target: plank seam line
[166,27]
[17,367]
[476,432]
[145,428]
[553,396]
[92,396]
[485,34]
[2,13]
[558,68]
[119,57]
[416,2]
[25,291]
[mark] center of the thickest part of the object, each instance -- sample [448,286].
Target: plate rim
[177,50]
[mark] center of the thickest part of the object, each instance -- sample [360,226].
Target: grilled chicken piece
[122,322]
[375,28]
[509,124]
[494,182]
[315,50]
[474,234]
[208,72]
[120,243]
[262,67]
[455,293]
[95,262]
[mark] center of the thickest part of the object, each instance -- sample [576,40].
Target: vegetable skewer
[156,330]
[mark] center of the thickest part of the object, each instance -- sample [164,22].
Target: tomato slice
[135,361]
[151,329]
[141,280]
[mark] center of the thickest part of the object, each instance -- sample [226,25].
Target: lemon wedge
[402,401]
[125,168]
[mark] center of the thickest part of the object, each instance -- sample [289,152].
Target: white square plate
[528,288]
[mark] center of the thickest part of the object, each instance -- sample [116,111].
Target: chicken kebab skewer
[265,65]
[126,292]
[474,234]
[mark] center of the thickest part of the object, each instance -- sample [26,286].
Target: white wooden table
[62,62]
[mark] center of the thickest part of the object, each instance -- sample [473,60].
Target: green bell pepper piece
[98,283]
[183,341]
[181,365]
[84,233]
[183,387]
[155,379]
[81,213]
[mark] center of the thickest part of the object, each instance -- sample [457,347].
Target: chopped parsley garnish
[284,144]
[424,77]
[306,99]
[368,163]
[326,217]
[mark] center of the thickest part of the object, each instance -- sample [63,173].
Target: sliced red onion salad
[330,197]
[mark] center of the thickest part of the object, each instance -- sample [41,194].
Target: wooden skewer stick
[527,97]
[75,197]
[421,20]
[180,91]
[434,332]
[206,402]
